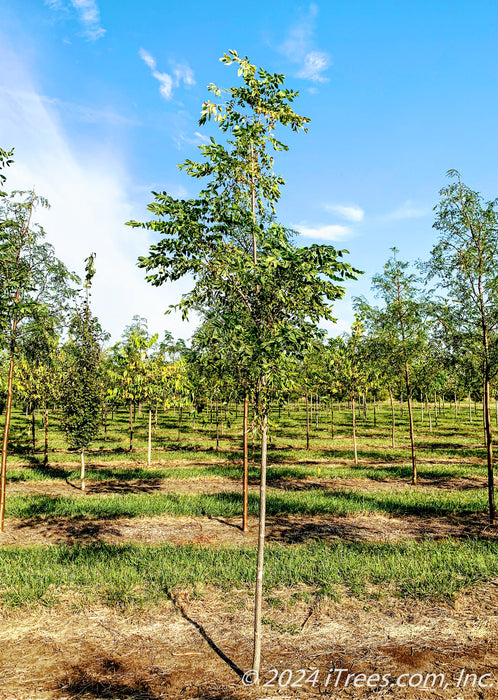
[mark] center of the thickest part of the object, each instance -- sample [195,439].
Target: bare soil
[217,484]
[289,529]
[198,647]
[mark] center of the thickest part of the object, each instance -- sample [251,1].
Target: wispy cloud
[88,15]
[182,73]
[299,48]
[73,110]
[91,198]
[406,211]
[352,212]
[334,232]
[315,63]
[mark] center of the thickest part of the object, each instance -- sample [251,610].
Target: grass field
[144,537]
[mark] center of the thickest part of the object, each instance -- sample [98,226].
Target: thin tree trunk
[45,449]
[3,470]
[412,430]
[489,450]
[470,408]
[307,422]
[354,430]
[258,601]
[217,428]
[456,407]
[106,409]
[393,418]
[375,411]
[428,408]
[180,411]
[131,426]
[82,475]
[331,418]
[245,465]
[33,430]
[149,442]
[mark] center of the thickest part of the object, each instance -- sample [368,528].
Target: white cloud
[88,14]
[334,232]
[406,211]
[350,213]
[298,48]
[147,59]
[78,112]
[182,72]
[90,197]
[315,63]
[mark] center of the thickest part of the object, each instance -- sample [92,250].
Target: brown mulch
[288,529]
[198,647]
[219,484]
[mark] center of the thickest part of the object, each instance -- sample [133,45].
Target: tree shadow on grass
[76,530]
[285,530]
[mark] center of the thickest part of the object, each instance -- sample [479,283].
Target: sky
[102,99]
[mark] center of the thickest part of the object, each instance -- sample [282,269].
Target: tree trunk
[489,450]
[245,465]
[33,429]
[180,411]
[470,408]
[105,409]
[217,428]
[393,418]
[131,426]
[3,470]
[412,430]
[354,430]
[82,475]
[331,418]
[307,422]
[149,441]
[375,411]
[428,408]
[45,450]
[258,601]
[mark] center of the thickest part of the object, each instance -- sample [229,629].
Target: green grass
[406,501]
[137,575]
[456,438]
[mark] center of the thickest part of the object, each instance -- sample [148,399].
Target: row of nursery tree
[261,297]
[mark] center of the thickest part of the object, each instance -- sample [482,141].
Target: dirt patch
[199,647]
[218,484]
[288,529]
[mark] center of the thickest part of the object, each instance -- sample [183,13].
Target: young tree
[82,394]
[272,292]
[465,264]
[33,283]
[400,324]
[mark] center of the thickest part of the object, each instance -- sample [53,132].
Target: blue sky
[101,100]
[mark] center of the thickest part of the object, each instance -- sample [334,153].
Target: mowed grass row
[452,437]
[144,575]
[230,471]
[406,501]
